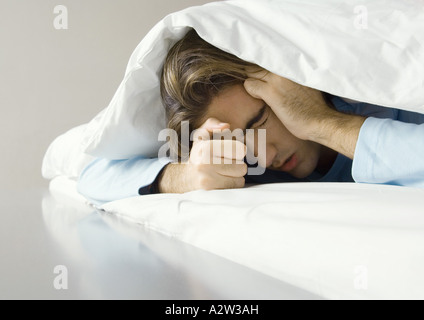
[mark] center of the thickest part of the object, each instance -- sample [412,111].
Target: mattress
[335,240]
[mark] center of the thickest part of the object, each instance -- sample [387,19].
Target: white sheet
[367,51]
[332,239]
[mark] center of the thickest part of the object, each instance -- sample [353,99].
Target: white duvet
[368,51]
[335,240]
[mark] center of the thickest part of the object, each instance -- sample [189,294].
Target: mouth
[290,163]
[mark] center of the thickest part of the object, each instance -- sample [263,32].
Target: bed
[110,257]
[332,240]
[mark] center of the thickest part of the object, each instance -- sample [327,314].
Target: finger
[256,88]
[205,151]
[230,149]
[223,161]
[238,169]
[255,73]
[213,123]
[231,183]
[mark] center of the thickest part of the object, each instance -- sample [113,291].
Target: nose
[266,156]
[263,150]
[271,156]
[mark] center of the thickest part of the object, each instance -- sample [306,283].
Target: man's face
[236,107]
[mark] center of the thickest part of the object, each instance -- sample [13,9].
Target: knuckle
[210,121]
[240,145]
[201,153]
[196,149]
[238,183]
[249,85]
[241,182]
[201,134]
[217,146]
[206,123]
[244,169]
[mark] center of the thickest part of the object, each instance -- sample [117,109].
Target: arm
[305,114]
[383,150]
[390,152]
[108,180]
[338,131]
[170,179]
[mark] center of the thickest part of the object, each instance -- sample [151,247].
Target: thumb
[254,87]
[214,124]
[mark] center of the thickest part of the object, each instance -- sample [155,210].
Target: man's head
[199,81]
[194,73]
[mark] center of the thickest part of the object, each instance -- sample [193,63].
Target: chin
[302,171]
[300,175]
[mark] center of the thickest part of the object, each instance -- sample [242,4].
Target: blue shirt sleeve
[390,152]
[109,180]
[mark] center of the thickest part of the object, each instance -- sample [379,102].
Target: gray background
[53,80]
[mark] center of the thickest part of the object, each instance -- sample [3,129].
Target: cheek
[309,155]
[311,150]
[285,141]
[278,133]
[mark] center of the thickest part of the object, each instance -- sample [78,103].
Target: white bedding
[315,43]
[336,240]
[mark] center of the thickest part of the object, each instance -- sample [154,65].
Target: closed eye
[264,122]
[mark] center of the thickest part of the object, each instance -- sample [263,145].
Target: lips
[290,163]
[288,159]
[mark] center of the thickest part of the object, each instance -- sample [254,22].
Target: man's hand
[304,113]
[299,108]
[206,168]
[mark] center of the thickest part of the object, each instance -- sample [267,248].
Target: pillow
[370,53]
[64,156]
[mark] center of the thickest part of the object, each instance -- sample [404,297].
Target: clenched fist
[213,164]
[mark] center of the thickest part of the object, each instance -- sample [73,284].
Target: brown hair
[193,74]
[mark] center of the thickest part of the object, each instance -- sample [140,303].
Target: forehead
[234,106]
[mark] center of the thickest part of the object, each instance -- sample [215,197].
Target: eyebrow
[256,118]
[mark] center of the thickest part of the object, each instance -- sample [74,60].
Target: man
[386,145]
[310,135]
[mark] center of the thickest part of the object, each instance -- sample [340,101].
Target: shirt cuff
[152,188]
[389,152]
[366,146]
[154,173]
